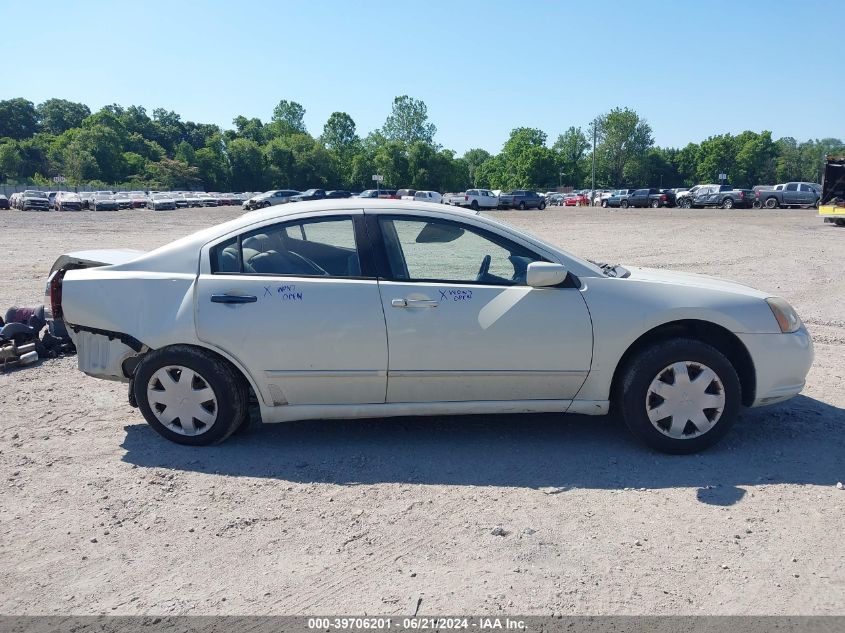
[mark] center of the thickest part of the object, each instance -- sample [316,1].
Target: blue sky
[692,69]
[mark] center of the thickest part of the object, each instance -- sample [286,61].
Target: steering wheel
[485,267]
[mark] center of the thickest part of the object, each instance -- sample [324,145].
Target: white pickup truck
[475,199]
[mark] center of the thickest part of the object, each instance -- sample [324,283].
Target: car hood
[693,280]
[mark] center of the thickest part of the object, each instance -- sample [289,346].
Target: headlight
[785,314]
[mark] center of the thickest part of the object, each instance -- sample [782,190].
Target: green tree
[246,165]
[571,149]
[474,158]
[526,161]
[342,141]
[18,119]
[625,137]
[250,129]
[289,118]
[185,152]
[173,174]
[10,160]
[60,115]
[408,122]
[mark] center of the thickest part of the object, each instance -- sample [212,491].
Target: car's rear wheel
[771,203]
[190,396]
[655,204]
[624,204]
[474,205]
[604,204]
[542,206]
[522,206]
[728,203]
[680,396]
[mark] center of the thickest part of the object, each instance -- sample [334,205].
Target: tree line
[127,146]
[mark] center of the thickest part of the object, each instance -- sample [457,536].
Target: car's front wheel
[679,396]
[190,396]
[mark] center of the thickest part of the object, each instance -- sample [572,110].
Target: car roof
[372,204]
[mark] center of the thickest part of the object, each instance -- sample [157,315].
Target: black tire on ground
[624,204]
[655,204]
[756,204]
[686,203]
[542,206]
[728,203]
[632,393]
[840,222]
[817,203]
[604,204]
[229,387]
[771,203]
[474,205]
[522,206]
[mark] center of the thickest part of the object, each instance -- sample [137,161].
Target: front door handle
[413,303]
[233,298]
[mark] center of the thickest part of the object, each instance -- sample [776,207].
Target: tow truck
[832,203]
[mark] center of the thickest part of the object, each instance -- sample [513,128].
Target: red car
[576,200]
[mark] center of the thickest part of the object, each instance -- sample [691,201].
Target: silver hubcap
[685,400]
[182,400]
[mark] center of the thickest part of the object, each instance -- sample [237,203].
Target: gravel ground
[495,514]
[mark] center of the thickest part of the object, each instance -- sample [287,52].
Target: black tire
[604,204]
[728,203]
[771,203]
[817,203]
[474,205]
[227,384]
[522,206]
[542,206]
[632,393]
[686,203]
[624,204]
[655,204]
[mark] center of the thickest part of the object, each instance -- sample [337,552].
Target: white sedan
[366,308]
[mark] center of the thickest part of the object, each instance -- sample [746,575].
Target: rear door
[297,303]
[790,194]
[464,326]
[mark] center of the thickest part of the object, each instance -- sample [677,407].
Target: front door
[463,325]
[293,304]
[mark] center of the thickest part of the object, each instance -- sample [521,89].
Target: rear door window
[317,247]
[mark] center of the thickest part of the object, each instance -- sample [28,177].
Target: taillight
[741,194]
[54,290]
[466,198]
[756,194]
[663,197]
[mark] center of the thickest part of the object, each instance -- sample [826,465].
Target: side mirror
[543,274]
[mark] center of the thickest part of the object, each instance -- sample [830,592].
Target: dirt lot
[101,515]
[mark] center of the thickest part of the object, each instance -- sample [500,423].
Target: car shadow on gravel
[799,442]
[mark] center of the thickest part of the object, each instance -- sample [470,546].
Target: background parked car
[270,198]
[522,199]
[641,198]
[68,201]
[337,194]
[309,194]
[4,202]
[104,202]
[406,194]
[724,196]
[34,201]
[428,196]
[162,202]
[616,199]
[475,199]
[576,200]
[790,194]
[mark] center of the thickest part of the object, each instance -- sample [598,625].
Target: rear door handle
[413,303]
[233,299]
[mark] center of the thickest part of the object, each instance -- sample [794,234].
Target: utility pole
[593,190]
